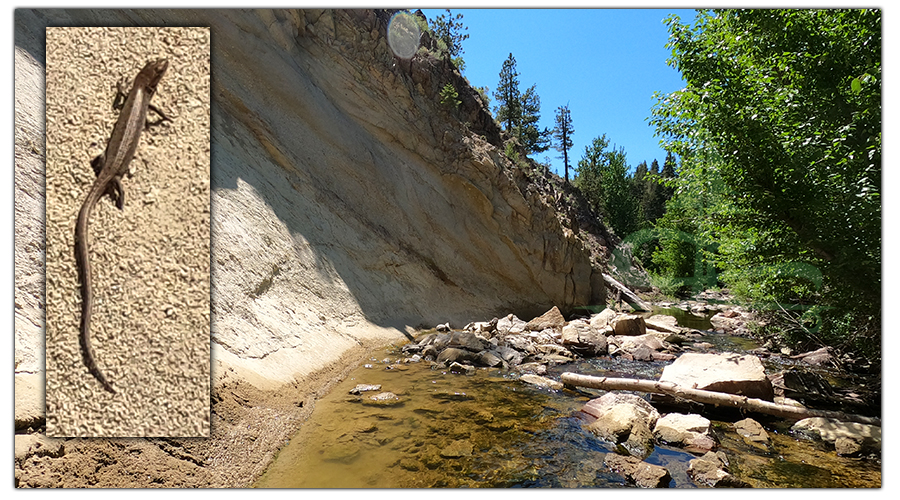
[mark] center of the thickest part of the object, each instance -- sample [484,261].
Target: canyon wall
[351,205]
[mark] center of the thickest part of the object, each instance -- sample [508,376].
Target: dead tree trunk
[633,300]
[709,397]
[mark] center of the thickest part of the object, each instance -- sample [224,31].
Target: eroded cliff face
[349,205]
[347,198]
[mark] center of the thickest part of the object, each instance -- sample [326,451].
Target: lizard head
[153,72]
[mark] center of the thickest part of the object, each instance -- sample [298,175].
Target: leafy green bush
[668,285]
[511,152]
[449,96]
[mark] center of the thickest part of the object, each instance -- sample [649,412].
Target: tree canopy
[450,30]
[780,120]
[507,95]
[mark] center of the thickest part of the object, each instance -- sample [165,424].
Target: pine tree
[668,173]
[563,135]
[532,139]
[449,30]
[653,200]
[509,109]
[639,182]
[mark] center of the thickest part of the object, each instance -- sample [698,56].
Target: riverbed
[490,429]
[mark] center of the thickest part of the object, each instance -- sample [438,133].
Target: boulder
[688,431]
[534,368]
[867,437]
[461,369]
[712,470]
[509,355]
[361,388]
[729,322]
[550,319]
[482,327]
[725,372]
[510,325]
[622,418]
[540,381]
[629,325]
[383,399]
[602,319]
[452,355]
[520,343]
[819,357]
[663,323]
[468,341]
[489,359]
[752,432]
[640,473]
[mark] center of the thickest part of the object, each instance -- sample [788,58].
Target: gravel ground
[151,265]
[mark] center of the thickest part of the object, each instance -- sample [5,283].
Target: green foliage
[449,32]
[532,139]
[779,133]
[669,286]
[602,176]
[562,134]
[511,152]
[449,96]
[509,108]
[520,112]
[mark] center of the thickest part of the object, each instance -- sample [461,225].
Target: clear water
[489,429]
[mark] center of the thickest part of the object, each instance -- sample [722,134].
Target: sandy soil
[249,426]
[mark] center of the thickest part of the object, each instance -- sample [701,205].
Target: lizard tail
[84,274]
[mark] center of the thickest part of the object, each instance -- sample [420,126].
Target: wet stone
[383,399]
[458,449]
[751,431]
[640,473]
[452,396]
[341,452]
[461,369]
[360,388]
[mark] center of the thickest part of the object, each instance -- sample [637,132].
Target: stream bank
[413,416]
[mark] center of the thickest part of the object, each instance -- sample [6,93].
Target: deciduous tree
[783,108]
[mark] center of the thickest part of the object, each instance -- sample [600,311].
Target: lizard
[110,167]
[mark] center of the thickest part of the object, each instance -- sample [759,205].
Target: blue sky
[605,63]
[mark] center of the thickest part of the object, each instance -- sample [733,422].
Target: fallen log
[633,300]
[709,397]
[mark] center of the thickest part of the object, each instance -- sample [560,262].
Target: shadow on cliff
[312,123]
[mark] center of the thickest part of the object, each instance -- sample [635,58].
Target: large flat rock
[725,372]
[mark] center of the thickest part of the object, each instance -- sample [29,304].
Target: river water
[489,429]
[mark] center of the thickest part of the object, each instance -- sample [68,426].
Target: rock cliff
[349,204]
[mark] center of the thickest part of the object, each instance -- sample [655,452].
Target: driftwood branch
[633,300]
[709,397]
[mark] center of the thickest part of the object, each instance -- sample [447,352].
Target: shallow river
[489,429]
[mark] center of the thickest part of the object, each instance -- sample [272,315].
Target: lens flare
[403,35]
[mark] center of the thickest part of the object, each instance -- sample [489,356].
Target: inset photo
[128,232]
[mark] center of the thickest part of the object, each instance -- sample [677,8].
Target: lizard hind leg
[114,189]
[97,164]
